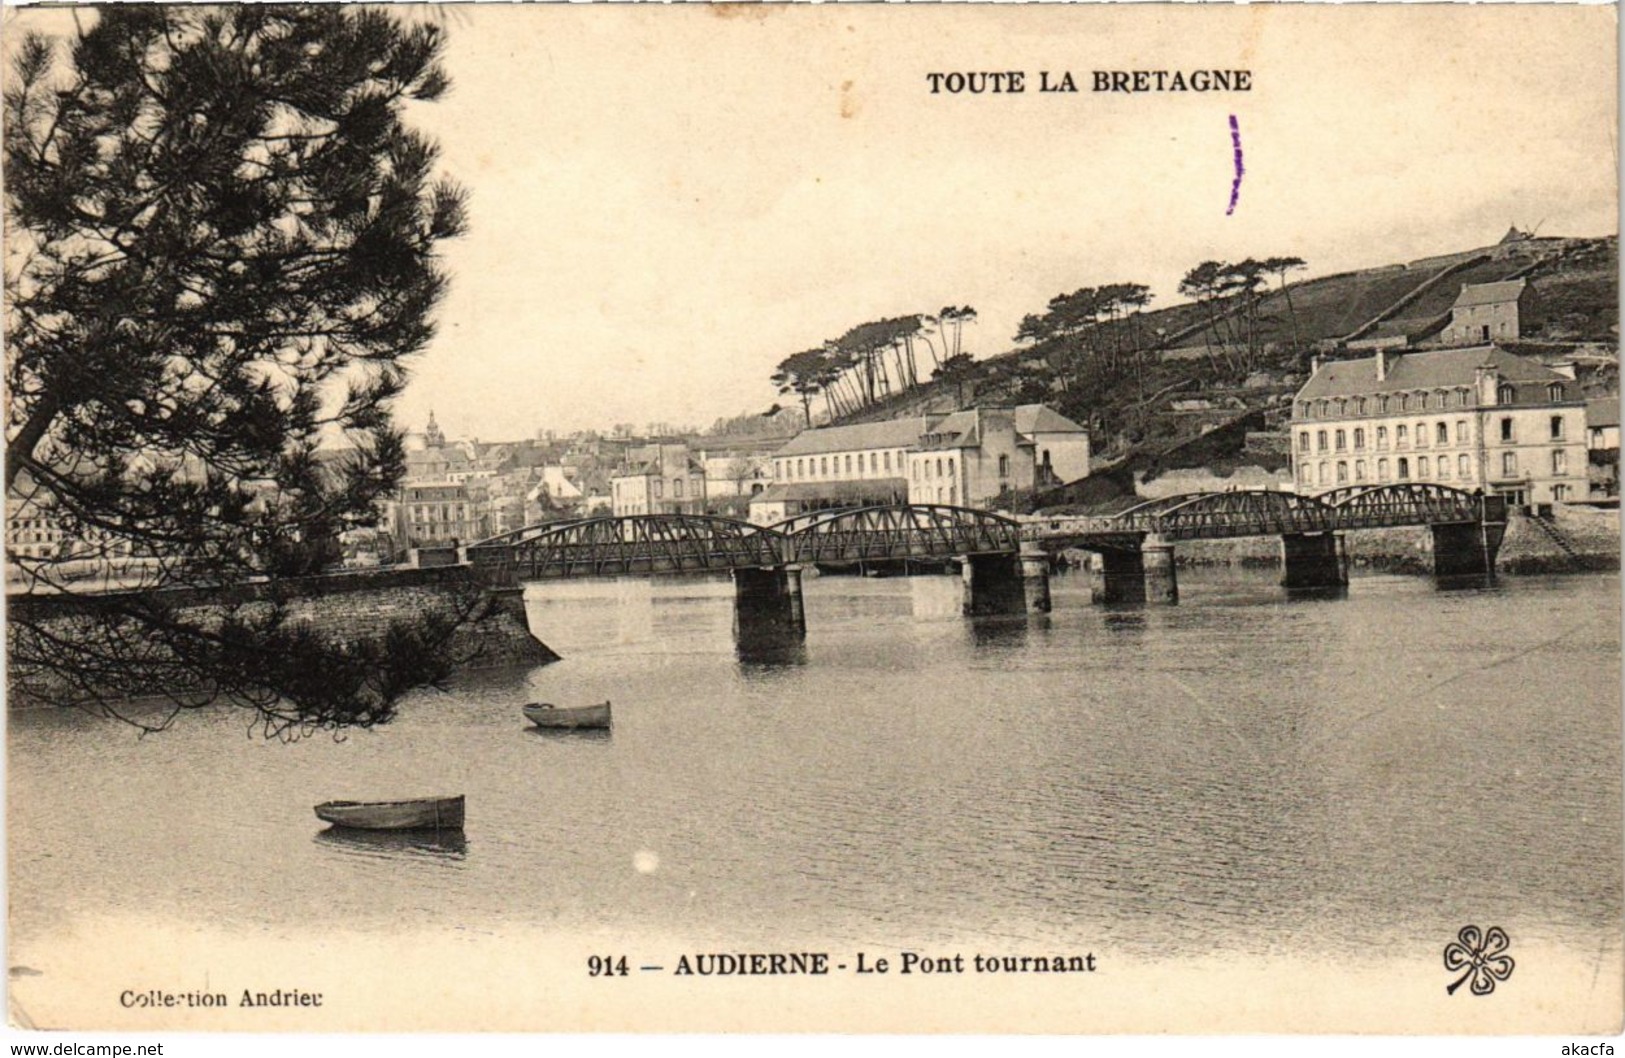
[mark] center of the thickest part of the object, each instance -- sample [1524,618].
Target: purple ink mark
[1235,185]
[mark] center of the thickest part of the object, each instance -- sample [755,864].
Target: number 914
[606,966]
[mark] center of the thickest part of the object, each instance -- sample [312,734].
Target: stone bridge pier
[1116,576]
[1466,549]
[768,610]
[994,584]
[1314,560]
[1035,577]
[1129,575]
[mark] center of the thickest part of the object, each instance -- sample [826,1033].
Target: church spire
[432,436]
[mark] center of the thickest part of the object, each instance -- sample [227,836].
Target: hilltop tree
[803,374]
[873,361]
[1280,266]
[1087,332]
[221,249]
[950,328]
[956,371]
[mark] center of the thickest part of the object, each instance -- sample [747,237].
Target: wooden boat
[544,714]
[426,813]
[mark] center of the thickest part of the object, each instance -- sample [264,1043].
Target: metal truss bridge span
[1256,512]
[693,543]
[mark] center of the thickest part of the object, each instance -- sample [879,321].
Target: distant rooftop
[891,433]
[1489,293]
[1438,369]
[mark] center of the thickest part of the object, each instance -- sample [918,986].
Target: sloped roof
[1041,418]
[1438,369]
[1412,327]
[890,433]
[1602,411]
[1489,293]
[962,429]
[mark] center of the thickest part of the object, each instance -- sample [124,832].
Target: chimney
[1564,368]
[1314,365]
[1382,365]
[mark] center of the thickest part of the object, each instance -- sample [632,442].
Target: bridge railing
[902,531]
[1415,503]
[673,543]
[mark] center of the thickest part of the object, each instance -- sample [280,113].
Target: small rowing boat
[544,714]
[426,813]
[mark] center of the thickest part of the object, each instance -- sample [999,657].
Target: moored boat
[424,813]
[544,714]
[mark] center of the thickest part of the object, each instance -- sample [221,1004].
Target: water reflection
[997,633]
[1468,582]
[1131,622]
[396,844]
[592,736]
[770,650]
[1317,594]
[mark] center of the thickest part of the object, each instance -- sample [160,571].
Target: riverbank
[492,631]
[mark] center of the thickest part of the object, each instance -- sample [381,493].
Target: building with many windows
[972,456]
[964,459]
[659,479]
[839,466]
[1474,419]
[440,514]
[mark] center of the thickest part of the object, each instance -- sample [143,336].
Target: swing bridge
[1005,561]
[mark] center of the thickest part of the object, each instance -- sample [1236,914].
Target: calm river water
[1240,774]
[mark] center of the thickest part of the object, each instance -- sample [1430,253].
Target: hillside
[1192,371]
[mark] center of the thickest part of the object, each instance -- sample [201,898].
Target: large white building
[1474,419]
[963,460]
[970,457]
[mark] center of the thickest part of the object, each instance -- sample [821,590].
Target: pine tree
[221,251]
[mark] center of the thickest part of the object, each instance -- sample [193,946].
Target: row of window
[1338,440]
[418,512]
[1426,468]
[879,463]
[625,488]
[453,531]
[1421,400]
[927,470]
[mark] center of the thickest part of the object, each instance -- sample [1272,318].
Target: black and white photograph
[1059,519]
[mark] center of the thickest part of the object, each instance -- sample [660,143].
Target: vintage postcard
[1065,519]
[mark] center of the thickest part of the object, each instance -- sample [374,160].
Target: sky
[667,201]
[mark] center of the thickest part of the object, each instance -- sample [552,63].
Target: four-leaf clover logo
[1480,954]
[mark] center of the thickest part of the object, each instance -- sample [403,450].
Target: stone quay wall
[350,606]
[1527,548]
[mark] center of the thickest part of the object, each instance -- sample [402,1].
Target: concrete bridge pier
[1157,559]
[1116,576]
[1466,549]
[767,605]
[993,585]
[1314,560]
[1035,577]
